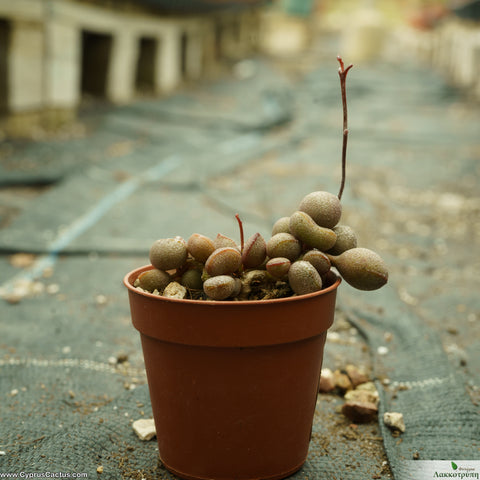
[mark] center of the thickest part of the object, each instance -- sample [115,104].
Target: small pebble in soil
[175,290]
[360,412]
[357,377]
[144,428]
[22,260]
[382,350]
[53,288]
[327,383]
[101,299]
[369,387]
[342,382]
[362,396]
[394,421]
[122,358]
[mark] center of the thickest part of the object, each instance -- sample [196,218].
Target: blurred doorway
[146,65]
[96,55]
[4,54]
[183,54]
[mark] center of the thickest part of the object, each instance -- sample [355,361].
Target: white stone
[175,290]
[53,288]
[368,387]
[394,420]
[144,428]
[101,299]
[382,350]
[327,381]
[362,396]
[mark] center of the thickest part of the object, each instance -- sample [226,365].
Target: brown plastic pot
[233,385]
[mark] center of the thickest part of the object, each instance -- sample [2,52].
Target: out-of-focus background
[58,57]
[122,122]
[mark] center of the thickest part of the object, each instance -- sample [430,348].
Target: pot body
[233,385]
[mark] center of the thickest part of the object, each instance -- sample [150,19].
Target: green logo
[454,465]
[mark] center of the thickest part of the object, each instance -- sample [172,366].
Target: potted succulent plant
[233,336]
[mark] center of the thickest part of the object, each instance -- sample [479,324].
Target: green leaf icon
[454,466]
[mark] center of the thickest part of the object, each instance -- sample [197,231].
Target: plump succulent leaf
[192,279]
[306,230]
[168,253]
[223,261]
[254,251]
[223,241]
[200,247]
[319,260]
[304,278]
[361,268]
[346,239]
[282,225]
[284,245]
[219,287]
[324,207]
[278,267]
[153,280]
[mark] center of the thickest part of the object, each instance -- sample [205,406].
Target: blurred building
[56,53]
[441,34]
[446,36]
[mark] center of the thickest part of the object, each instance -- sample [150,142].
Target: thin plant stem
[242,238]
[342,72]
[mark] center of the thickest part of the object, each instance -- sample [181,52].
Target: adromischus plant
[296,260]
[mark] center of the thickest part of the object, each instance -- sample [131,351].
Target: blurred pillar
[248,34]
[253,22]
[169,66]
[283,34]
[364,39]
[25,66]
[194,56]
[63,60]
[208,46]
[122,69]
[229,37]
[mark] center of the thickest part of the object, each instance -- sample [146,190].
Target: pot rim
[131,276]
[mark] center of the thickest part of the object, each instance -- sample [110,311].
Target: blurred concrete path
[255,143]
